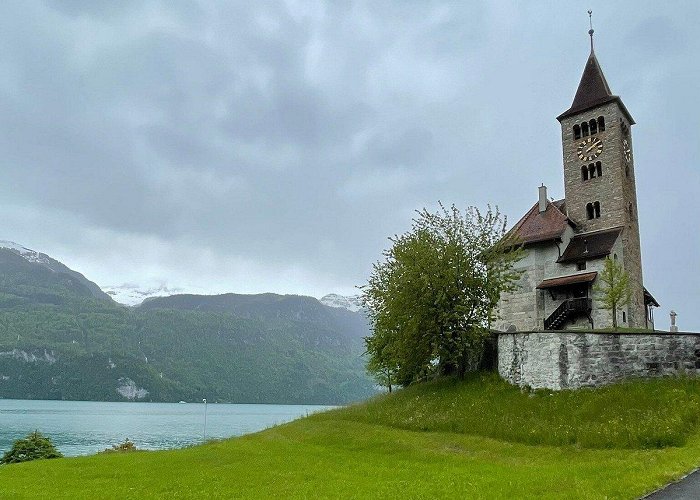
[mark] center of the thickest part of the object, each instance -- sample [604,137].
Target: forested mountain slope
[61,340]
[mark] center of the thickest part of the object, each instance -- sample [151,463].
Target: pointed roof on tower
[593,89]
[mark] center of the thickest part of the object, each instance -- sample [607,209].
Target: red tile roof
[535,226]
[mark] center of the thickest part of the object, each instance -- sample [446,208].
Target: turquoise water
[86,427]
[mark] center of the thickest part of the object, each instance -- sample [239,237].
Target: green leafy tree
[432,298]
[382,364]
[614,289]
[33,447]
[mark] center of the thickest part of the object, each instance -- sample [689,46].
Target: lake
[86,427]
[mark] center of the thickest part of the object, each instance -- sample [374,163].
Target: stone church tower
[599,185]
[567,241]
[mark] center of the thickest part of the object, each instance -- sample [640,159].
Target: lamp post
[205,418]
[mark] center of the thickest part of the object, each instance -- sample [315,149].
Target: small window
[614,256]
[624,317]
[591,171]
[577,132]
[599,168]
[581,266]
[589,211]
[584,173]
[584,129]
[627,170]
[601,124]
[596,209]
[593,126]
[630,209]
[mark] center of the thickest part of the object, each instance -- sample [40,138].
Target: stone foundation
[570,360]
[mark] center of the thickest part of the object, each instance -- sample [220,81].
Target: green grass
[635,414]
[428,441]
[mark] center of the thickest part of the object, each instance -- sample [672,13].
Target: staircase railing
[566,310]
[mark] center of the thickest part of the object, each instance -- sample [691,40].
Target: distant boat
[182,402]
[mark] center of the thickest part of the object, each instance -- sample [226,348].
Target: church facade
[566,241]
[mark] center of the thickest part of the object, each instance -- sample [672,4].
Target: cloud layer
[273,146]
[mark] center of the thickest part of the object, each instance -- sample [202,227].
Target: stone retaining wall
[569,360]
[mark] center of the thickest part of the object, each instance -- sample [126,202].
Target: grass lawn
[424,442]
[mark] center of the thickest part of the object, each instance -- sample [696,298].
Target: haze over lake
[86,427]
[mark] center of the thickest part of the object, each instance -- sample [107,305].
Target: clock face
[590,148]
[627,150]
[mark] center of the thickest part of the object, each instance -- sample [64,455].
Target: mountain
[61,340]
[351,303]
[37,263]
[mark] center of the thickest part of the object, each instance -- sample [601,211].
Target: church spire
[593,89]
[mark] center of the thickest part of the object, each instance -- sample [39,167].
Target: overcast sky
[274,146]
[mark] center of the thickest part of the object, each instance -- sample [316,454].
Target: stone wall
[569,360]
[615,190]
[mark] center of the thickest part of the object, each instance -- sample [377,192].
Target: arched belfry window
[593,126]
[591,171]
[577,132]
[596,209]
[601,124]
[589,211]
[584,173]
[599,168]
[584,129]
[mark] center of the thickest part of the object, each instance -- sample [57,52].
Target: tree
[432,298]
[33,447]
[615,290]
[126,446]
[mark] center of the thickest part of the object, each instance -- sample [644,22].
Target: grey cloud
[291,139]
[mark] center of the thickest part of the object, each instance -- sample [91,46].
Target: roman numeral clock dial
[589,149]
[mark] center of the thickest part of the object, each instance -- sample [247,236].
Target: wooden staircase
[568,309]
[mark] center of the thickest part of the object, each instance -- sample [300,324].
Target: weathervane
[590,31]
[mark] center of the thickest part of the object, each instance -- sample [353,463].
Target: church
[566,241]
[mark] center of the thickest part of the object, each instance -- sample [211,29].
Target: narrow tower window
[584,129]
[601,124]
[627,170]
[577,132]
[599,168]
[584,173]
[589,211]
[591,171]
[630,210]
[596,208]
[594,126]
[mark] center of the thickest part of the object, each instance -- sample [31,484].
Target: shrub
[124,447]
[33,447]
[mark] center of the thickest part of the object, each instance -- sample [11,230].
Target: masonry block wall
[570,360]
[615,190]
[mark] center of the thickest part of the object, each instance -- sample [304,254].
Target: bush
[124,447]
[33,447]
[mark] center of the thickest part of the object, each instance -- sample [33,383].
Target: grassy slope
[354,453]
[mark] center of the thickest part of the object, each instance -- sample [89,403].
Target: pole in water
[205,418]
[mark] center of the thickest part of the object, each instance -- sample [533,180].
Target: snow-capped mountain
[28,254]
[351,303]
[132,294]
[42,260]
